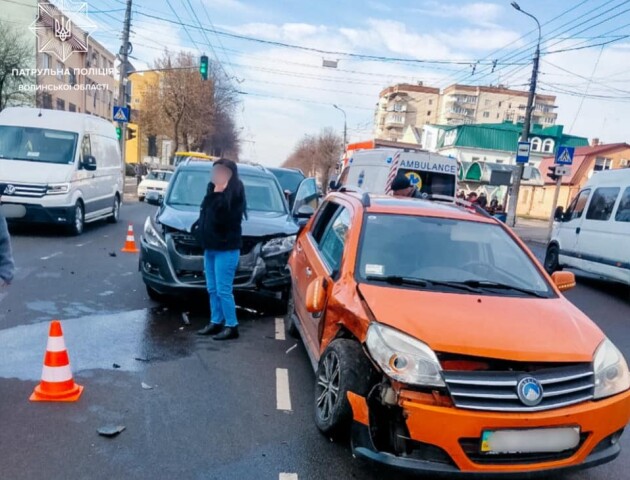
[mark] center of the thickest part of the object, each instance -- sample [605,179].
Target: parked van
[431,173]
[594,233]
[65,168]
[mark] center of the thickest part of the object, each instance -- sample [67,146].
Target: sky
[287,93]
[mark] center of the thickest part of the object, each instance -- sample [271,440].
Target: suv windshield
[161,176]
[262,193]
[445,254]
[289,179]
[37,145]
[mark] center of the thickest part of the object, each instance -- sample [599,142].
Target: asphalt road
[214,410]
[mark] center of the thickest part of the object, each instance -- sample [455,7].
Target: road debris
[185,318]
[292,348]
[113,254]
[142,359]
[110,430]
[146,386]
[115,365]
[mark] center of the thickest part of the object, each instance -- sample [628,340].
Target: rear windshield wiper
[420,282]
[502,286]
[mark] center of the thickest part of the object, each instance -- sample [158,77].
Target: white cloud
[479,13]
[236,5]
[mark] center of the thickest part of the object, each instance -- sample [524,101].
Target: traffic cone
[130,243]
[57,384]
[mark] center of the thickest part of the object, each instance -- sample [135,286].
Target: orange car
[439,340]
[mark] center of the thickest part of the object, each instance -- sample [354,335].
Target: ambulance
[430,173]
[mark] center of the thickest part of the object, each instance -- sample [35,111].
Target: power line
[577,113]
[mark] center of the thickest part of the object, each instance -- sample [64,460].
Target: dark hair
[235,190]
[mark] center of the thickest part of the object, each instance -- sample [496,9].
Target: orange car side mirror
[563,280]
[316,296]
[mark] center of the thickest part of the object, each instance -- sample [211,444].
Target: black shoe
[210,329]
[228,333]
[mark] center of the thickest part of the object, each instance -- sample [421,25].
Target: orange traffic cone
[130,243]
[57,384]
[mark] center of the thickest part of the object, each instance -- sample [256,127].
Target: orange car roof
[419,207]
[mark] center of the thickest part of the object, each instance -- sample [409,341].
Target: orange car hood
[511,328]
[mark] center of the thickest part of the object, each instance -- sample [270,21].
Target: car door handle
[309,272]
[298,247]
[577,230]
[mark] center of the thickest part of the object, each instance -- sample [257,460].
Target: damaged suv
[171,259]
[443,346]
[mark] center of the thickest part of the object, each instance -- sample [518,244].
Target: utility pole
[122,93]
[345,127]
[552,217]
[518,175]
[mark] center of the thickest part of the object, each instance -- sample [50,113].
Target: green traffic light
[118,133]
[203,67]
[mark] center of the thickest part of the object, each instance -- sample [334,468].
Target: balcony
[395,120]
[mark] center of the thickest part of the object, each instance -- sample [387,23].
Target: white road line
[84,243]
[280,329]
[283,396]
[48,257]
[288,476]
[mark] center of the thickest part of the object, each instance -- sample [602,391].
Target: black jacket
[219,224]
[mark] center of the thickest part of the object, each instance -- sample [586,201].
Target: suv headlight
[611,371]
[403,358]
[151,235]
[58,189]
[279,245]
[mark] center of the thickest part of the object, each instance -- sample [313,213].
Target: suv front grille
[24,190]
[496,390]
[186,244]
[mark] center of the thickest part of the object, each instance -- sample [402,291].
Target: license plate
[539,440]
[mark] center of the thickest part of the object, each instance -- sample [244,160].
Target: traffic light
[118,133]
[552,173]
[203,67]
[131,133]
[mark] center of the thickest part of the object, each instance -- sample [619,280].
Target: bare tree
[317,155]
[15,54]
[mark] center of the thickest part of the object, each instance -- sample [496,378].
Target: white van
[593,235]
[63,167]
[429,172]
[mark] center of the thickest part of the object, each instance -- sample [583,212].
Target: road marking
[280,329]
[48,257]
[288,476]
[283,396]
[84,243]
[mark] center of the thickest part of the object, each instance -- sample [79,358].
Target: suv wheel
[115,211]
[77,219]
[342,368]
[290,318]
[552,259]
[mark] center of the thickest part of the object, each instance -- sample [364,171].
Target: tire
[115,216]
[77,219]
[552,259]
[345,368]
[155,295]
[141,199]
[289,319]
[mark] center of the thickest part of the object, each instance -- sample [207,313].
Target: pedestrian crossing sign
[564,156]
[121,114]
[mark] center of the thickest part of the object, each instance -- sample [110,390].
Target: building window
[536,144]
[61,104]
[487,103]
[498,115]
[625,163]
[72,78]
[547,146]
[72,107]
[602,163]
[60,68]
[46,61]
[430,101]
[486,114]
[47,101]
[475,159]
[500,103]
[428,113]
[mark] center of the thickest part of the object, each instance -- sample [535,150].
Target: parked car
[65,168]
[444,347]
[155,180]
[171,259]
[290,180]
[594,233]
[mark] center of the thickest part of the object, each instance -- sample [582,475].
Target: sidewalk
[531,230]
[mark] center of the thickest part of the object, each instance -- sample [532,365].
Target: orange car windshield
[445,254]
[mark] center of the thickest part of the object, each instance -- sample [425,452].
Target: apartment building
[404,105]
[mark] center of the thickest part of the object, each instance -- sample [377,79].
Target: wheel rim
[552,257]
[327,390]
[78,218]
[116,209]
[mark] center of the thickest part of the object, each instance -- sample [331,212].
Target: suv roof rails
[461,203]
[365,196]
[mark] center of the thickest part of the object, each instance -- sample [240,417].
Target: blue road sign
[121,114]
[522,153]
[564,156]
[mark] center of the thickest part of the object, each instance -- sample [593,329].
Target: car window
[602,203]
[323,218]
[623,212]
[334,239]
[445,250]
[307,194]
[289,179]
[577,206]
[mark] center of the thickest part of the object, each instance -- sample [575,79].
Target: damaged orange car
[441,344]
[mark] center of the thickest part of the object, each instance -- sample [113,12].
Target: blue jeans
[220,268]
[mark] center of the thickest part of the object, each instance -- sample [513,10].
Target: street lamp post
[345,127]
[516,184]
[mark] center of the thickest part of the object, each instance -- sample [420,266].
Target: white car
[155,180]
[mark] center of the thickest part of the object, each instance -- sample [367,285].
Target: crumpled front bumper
[439,438]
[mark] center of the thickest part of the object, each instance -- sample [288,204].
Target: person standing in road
[7,267]
[138,171]
[219,231]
